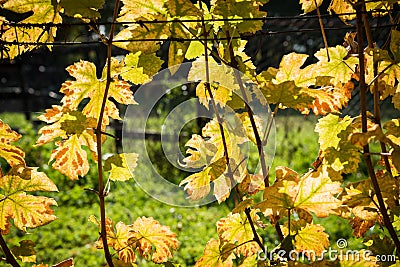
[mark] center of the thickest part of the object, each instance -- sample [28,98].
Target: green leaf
[181,8]
[340,69]
[120,166]
[378,245]
[287,94]
[82,8]
[74,122]
[329,127]
[195,49]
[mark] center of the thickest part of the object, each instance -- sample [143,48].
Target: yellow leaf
[329,127]
[328,99]
[311,238]
[87,85]
[342,7]
[27,211]
[236,229]
[309,5]
[133,9]
[154,239]
[118,167]
[198,184]
[290,70]
[43,12]
[70,158]
[12,154]
[340,69]
[213,256]
[313,192]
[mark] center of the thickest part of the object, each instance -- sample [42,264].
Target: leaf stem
[99,131]
[9,256]
[363,106]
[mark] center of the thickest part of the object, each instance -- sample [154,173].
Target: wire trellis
[142,23]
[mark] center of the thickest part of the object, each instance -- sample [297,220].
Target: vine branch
[363,106]
[101,192]
[9,256]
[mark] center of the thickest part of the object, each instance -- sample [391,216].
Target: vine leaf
[236,229]
[216,255]
[75,131]
[290,70]
[328,129]
[313,192]
[87,85]
[134,9]
[12,154]
[83,8]
[139,67]
[309,5]
[26,211]
[308,237]
[340,69]
[342,7]
[329,99]
[43,12]
[119,168]
[242,9]
[154,240]
[181,8]
[25,251]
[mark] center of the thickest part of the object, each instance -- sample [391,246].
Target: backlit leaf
[342,7]
[181,8]
[26,211]
[329,127]
[313,192]
[214,256]
[290,70]
[309,5]
[70,158]
[43,12]
[286,94]
[118,168]
[311,238]
[12,154]
[87,85]
[340,69]
[133,9]
[236,229]
[154,240]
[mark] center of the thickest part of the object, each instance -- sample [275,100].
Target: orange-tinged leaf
[70,158]
[236,229]
[154,240]
[313,192]
[328,99]
[27,211]
[121,242]
[215,256]
[87,85]
[286,94]
[12,154]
